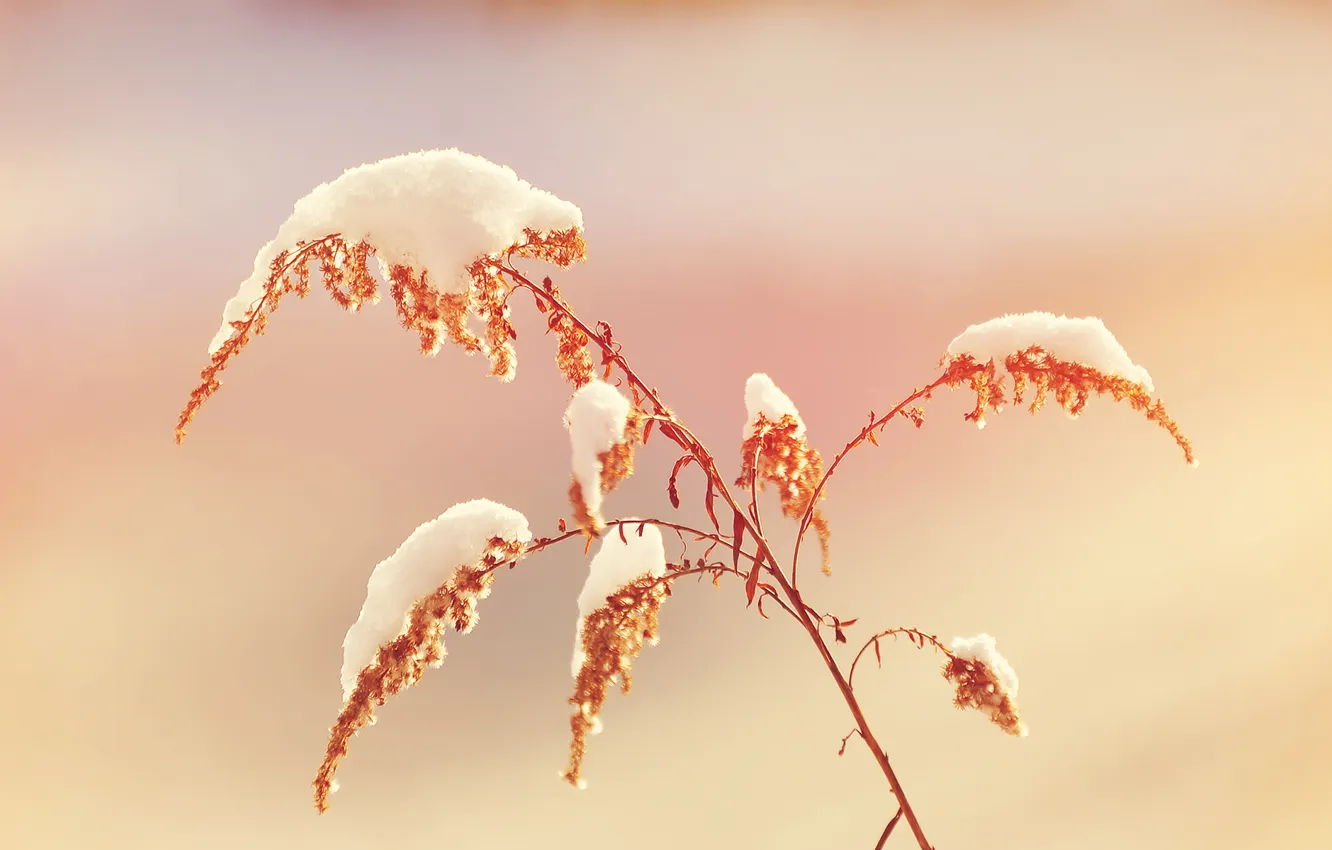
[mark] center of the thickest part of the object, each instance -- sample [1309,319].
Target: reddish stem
[683,437]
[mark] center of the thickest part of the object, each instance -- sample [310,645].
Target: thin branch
[888,830]
[753,488]
[863,436]
[542,543]
[841,751]
[917,636]
[678,570]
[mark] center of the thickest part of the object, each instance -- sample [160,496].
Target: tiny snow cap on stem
[438,210]
[617,564]
[618,613]
[764,399]
[774,451]
[602,430]
[460,537]
[985,681]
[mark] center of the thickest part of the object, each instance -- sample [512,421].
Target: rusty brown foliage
[572,357]
[786,461]
[1072,384]
[978,688]
[612,636]
[435,315]
[402,661]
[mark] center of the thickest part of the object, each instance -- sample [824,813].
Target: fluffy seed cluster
[775,451]
[612,637]
[603,429]
[402,661]
[572,356]
[985,681]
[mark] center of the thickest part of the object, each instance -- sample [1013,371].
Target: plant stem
[864,435]
[690,443]
[888,830]
[854,705]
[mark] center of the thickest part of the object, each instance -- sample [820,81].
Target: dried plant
[482,217]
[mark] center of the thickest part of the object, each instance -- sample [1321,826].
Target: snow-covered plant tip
[444,229]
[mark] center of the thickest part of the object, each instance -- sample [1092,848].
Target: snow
[1081,340]
[596,419]
[437,210]
[763,396]
[982,648]
[617,564]
[425,560]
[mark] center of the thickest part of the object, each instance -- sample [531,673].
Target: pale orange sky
[828,198]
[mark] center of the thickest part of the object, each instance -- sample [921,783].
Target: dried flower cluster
[775,451]
[1071,383]
[572,357]
[422,307]
[402,662]
[985,682]
[610,640]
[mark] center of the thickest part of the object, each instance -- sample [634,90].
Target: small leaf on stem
[751,583]
[672,490]
[708,501]
[671,434]
[738,535]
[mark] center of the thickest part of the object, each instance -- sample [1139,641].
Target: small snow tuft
[982,648]
[617,564]
[596,418]
[1080,340]
[763,397]
[437,210]
[426,559]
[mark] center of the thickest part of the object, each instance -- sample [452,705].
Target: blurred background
[827,192]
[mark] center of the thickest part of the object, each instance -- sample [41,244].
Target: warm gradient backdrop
[827,197]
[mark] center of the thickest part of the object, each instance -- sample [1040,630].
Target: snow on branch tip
[1070,359]
[985,681]
[434,580]
[460,538]
[618,612]
[774,450]
[1075,339]
[438,228]
[437,210]
[603,429]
